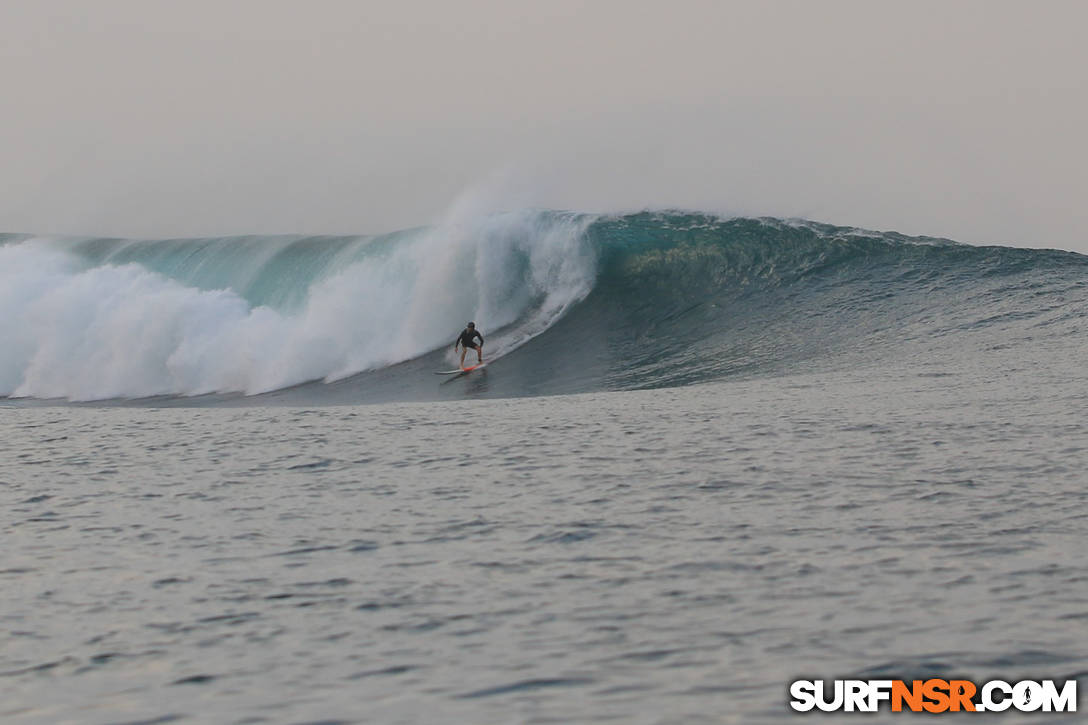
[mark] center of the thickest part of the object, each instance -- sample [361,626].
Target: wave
[569,301]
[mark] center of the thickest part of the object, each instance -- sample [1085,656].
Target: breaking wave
[568,302]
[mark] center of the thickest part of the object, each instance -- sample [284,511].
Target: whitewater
[100,318]
[709,456]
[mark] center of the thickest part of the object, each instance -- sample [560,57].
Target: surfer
[466,340]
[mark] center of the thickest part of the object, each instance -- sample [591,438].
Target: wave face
[568,302]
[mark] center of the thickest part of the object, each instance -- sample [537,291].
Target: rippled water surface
[669,556]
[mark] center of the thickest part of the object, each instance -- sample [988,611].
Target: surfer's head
[471,325]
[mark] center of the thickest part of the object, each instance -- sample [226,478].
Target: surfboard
[460,370]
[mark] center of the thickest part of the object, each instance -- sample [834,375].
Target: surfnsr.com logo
[933,696]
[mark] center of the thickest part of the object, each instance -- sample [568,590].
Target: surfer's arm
[480,338]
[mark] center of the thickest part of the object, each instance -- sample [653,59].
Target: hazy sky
[147,118]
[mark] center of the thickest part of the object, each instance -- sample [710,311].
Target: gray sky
[148,118]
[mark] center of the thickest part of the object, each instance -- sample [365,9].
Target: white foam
[124,331]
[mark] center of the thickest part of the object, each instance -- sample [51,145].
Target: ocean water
[708,457]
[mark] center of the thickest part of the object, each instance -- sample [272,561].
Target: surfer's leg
[480,354]
[463,351]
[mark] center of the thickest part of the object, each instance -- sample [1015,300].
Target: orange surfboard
[460,371]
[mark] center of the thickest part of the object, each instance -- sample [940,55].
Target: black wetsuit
[467,337]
